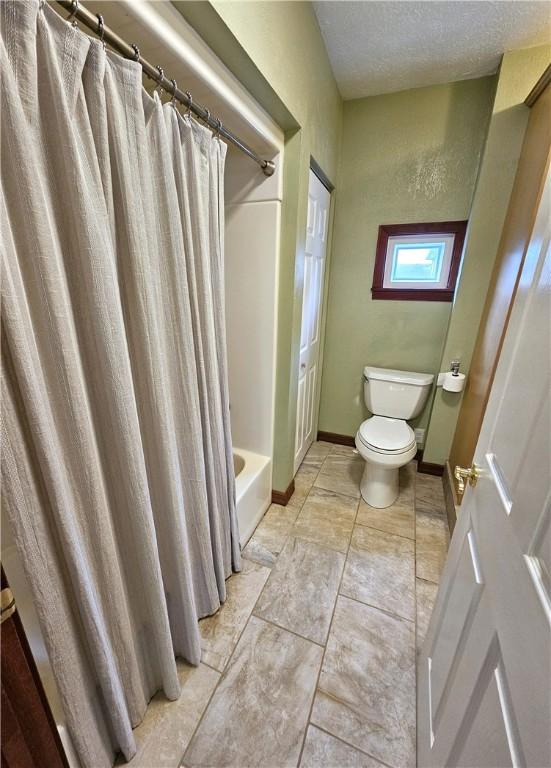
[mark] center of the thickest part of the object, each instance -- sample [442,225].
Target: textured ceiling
[381,46]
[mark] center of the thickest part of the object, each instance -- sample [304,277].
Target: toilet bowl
[385,444]
[386,441]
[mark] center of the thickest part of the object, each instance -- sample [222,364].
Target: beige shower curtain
[117,473]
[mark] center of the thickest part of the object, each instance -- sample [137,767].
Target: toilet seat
[386,436]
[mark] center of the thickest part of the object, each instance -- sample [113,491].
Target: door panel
[312,378]
[306,299]
[312,297]
[489,721]
[484,697]
[460,607]
[316,296]
[300,409]
[538,558]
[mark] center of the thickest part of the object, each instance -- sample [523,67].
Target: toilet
[386,441]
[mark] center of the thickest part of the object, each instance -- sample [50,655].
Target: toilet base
[379,486]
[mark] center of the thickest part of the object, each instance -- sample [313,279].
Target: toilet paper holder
[452,380]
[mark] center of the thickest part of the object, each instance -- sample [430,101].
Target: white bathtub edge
[253,491]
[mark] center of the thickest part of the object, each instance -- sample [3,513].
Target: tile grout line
[303,537]
[334,452]
[223,672]
[388,533]
[378,608]
[415,600]
[220,678]
[188,745]
[316,687]
[206,664]
[299,510]
[309,722]
[286,629]
[392,614]
[276,559]
[428,581]
[400,618]
[339,493]
[353,746]
[252,613]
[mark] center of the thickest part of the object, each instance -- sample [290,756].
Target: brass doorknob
[471,475]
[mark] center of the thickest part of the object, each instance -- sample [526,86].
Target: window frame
[379,291]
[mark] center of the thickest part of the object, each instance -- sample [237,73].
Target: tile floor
[311,660]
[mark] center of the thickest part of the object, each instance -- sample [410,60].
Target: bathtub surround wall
[277,52]
[411,156]
[519,72]
[253,216]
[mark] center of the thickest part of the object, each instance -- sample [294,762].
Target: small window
[418,262]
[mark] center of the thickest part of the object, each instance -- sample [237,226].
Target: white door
[312,296]
[484,677]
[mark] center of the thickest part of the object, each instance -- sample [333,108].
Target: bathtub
[253,490]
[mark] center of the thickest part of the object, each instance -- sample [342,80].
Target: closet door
[314,270]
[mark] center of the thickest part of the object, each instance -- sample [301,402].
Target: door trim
[309,384]
[515,237]
[321,175]
[33,730]
[539,88]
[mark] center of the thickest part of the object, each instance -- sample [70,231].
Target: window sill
[401,294]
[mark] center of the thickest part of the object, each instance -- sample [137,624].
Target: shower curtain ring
[159,85]
[207,119]
[190,102]
[101,29]
[74,11]
[174,89]
[136,51]
[218,126]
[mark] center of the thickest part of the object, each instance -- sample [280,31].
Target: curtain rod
[95,23]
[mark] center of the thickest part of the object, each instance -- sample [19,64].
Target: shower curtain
[117,472]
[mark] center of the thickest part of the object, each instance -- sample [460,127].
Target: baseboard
[334,437]
[428,468]
[282,497]
[450,496]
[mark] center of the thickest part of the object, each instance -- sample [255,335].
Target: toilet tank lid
[401,377]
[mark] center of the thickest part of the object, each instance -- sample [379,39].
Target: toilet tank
[396,394]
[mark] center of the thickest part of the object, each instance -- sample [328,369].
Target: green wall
[407,157]
[284,42]
[277,51]
[518,73]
